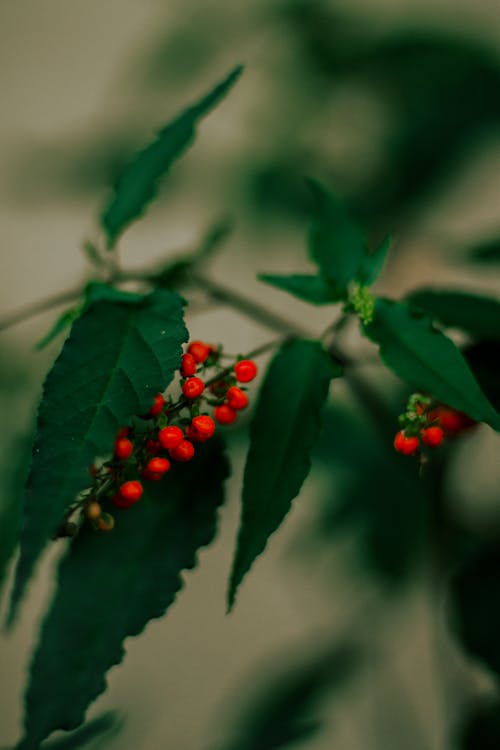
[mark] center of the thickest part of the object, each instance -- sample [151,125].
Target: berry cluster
[426,424]
[168,433]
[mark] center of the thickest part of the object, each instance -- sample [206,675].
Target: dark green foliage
[427,360]
[111,585]
[284,428]
[138,184]
[373,263]
[336,243]
[476,604]
[118,356]
[104,726]
[309,288]
[63,322]
[14,474]
[483,359]
[281,715]
[375,491]
[476,315]
[481,731]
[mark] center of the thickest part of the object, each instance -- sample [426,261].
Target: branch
[29,311]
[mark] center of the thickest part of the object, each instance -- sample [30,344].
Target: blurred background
[394,104]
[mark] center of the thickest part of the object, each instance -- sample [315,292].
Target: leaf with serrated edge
[116,358]
[309,288]
[138,184]
[110,585]
[427,360]
[284,429]
[336,243]
[475,314]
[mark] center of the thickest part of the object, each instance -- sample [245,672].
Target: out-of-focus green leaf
[111,585]
[138,184]
[118,356]
[314,289]
[104,726]
[284,428]
[476,600]
[372,265]
[280,716]
[477,315]
[483,359]
[486,252]
[63,322]
[336,242]
[481,729]
[426,359]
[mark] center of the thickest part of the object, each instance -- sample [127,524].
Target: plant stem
[29,311]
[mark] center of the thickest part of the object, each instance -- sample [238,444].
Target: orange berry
[123,448]
[193,387]
[128,494]
[406,445]
[158,405]
[170,437]
[236,398]
[201,428]
[199,351]
[106,522]
[188,365]
[93,510]
[432,436]
[158,465]
[183,452]
[224,414]
[245,370]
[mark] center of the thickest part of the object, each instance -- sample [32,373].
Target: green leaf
[372,265]
[138,184]
[118,356]
[308,288]
[476,600]
[336,242]
[63,321]
[477,315]
[284,429]
[427,360]
[105,727]
[285,709]
[110,585]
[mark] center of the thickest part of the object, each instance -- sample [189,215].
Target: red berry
[170,437]
[123,432]
[123,448]
[151,476]
[224,414]
[450,420]
[153,446]
[158,405]
[193,387]
[188,365]
[183,452]
[432,436]
[199,351]
[201,428]
[236,398]
[158,465]
[128,494]
[406,445]
[245,370]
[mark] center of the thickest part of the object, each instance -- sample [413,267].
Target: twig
[29,311]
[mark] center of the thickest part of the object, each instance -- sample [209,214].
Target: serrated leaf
[111,585]
[477,315]
[138,184]
[373,263]
[118,356]
[284,428]
[427,360]
[309,288]
[63,322]
[336,242]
